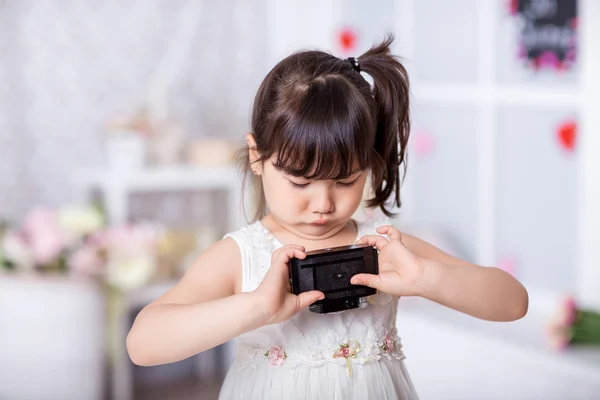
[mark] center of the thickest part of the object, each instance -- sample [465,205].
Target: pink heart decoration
[508,264]
[423,143]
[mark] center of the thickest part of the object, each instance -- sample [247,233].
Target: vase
[126,152]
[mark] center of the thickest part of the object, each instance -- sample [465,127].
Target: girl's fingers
[370,280]
[373,240]
[392,232]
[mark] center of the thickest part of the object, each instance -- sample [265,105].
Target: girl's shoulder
[256,245]
[369,219]
[251,232]
[252,237]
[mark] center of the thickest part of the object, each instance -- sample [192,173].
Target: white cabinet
[455,357]
[116,188]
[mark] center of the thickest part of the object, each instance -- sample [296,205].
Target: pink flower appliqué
[388,345]
[344,351]
[276,356]
[348,350]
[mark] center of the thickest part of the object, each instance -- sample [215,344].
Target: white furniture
[116,188]
[52,338]
[452,356]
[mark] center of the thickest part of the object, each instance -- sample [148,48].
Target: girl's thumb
[307,298]
[369,280]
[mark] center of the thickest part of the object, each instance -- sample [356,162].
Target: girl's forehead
[316,170]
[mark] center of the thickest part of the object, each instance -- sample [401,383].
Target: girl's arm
[206,308]
[411,267]
[200,312]
[488,293]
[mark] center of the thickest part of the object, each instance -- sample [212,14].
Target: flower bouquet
[573,325]
[75,241]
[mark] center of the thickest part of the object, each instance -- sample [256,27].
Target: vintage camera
[329,270]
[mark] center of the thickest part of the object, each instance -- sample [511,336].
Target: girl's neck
[345,235]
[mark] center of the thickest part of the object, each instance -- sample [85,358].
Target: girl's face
[311,209]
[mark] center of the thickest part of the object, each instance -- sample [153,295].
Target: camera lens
[351,303]
[363,302]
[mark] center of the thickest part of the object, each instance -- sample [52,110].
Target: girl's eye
[347,184]
[299,185]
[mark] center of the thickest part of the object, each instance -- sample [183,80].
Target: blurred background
[119,122]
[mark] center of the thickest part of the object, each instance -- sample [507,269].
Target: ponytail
[391,95]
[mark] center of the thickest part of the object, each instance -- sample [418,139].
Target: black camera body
[329,271]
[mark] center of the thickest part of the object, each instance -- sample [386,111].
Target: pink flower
[389,344]
[85,261]
[44,235]
[40,219]
[276,356]
[46,247]
[570,310]
[346,350]
[130,241]
[559,328]
[573,325]
[558,334]
[558,342]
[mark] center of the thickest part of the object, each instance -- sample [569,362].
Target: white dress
[354,354]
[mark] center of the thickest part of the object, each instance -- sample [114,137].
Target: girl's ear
[253,155]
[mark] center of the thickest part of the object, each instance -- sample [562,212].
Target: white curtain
[67,67]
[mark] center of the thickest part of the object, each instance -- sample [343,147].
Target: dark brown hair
[319,116]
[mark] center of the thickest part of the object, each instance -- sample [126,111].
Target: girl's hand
[399,270]
[275,291]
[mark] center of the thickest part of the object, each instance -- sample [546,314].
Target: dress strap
[373,219]
[240,239]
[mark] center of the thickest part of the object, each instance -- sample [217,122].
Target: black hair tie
[354,62]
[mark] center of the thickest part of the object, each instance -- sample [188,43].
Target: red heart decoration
[567,135]
[347,39]
[513,7]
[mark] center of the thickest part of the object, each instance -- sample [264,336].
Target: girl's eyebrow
[286,172]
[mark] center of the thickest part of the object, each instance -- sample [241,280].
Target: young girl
[319,130]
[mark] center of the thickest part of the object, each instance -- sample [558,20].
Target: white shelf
[164,178]
[118,185]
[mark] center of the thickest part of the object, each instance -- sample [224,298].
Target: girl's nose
[324,203]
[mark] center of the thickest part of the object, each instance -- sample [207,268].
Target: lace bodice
[310,339]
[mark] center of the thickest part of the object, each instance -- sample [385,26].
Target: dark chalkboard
[548,32]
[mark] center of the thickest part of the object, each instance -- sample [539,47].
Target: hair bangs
[327,134]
